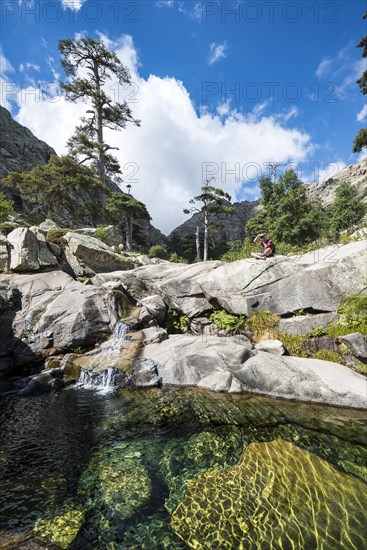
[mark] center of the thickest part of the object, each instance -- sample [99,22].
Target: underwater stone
[277,496]
[60,530]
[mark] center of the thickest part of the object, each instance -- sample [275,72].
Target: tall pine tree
[214,201]
[89,64]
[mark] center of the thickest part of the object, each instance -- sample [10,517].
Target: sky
[222,88]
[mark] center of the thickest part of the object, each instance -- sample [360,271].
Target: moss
[294,343]
[328,355]
[7,227]
[57,236]
[342,329]
[354,310]
[262,323]
[316,332]
[60,530]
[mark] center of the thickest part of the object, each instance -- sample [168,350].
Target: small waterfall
[104,380]
[114,344]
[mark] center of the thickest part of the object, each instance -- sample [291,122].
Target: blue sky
[221,88]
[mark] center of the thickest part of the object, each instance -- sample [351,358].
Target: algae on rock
[277,496]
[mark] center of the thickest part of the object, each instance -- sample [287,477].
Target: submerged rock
[183,460]
[60,530]
[116,477]
[279,493]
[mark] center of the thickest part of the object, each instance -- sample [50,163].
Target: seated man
[267,246]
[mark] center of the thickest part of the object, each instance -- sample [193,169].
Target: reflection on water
[109,472]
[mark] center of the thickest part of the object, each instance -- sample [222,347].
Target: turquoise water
[88,471]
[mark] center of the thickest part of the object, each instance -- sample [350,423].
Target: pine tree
[100,65]
[347,209]
[288,215]
[124,208]
[360,141]
[214,202]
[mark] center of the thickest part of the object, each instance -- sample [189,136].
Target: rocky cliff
[355,174]
[20,150]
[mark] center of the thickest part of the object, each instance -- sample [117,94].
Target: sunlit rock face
[277,496]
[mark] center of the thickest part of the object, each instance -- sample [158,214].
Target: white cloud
[217,51]
[164,3]
[176,147]
[323,68]
[7,88]
[362,114]
[32,66]
[73,5]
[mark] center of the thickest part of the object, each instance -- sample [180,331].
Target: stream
[87,470]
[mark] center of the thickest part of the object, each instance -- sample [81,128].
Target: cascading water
[104,380]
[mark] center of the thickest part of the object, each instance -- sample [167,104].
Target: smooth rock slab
[277,496]
[208,361]
[304,380]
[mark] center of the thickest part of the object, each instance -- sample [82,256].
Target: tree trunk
[197,240]
[131,221]
[127,233]
[205,236]
[98,121]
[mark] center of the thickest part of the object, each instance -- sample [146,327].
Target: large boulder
[207,362]
[175,283]
[318,280]
[87,255]
[315,281]
[54,312]
[277,496]
[29,250]
[303,379]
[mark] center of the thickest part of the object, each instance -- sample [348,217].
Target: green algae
[277,496]
[60,530]
[116,478]
[183,460]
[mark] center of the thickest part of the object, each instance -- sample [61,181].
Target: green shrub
[299,312]
[344,239]
[6,207]
[316,332]
[238,250]
[175,258]
[57,236]
[158,251]
[261,322]
[328,355]
[101,234]
[175,322]
[354,310]
[226,321]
